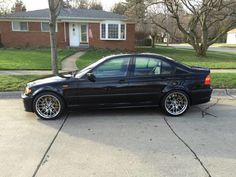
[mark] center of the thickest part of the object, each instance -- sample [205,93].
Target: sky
[42,4]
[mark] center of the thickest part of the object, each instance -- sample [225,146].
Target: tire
[48,106]
[175,103]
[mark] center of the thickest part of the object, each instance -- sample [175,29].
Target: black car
[121,81]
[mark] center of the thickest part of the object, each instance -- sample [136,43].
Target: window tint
[147,66]
[151,66]
[117,67]
[166,68]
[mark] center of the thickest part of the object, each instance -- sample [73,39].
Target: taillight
[207,80]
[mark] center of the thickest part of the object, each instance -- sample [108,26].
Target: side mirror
[91,77]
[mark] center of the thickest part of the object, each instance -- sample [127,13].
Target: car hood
[50,80]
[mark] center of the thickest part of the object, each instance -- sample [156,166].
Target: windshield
[88,68]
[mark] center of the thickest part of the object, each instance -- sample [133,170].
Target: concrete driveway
[120,143]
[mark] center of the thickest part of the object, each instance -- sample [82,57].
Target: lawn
[35,59]
[15,83]
[93,55]
[214,60]
[223,80]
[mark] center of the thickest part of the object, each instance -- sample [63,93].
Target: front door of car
[103,85]
[149,77]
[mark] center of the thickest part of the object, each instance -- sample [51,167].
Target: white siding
[231,38]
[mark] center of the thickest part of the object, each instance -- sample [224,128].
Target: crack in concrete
[44,159]
[191,150]
[228,94]
[205,110]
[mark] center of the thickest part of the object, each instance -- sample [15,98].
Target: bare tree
[96,5]
[5,6]
[196,19]
[119,8]
[79,4]
[18,7]
[54,10]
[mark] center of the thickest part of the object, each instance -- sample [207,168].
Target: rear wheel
[175,103]
[48,106]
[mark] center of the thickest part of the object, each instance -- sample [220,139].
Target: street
[120,143]
[211,48]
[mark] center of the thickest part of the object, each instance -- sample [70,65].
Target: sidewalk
[69,64]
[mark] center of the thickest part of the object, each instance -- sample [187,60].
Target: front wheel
[48,106]
[175,103]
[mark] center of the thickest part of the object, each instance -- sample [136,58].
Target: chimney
[18,7]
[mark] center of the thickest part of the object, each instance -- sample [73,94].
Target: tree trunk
[53,42]
[202,51]
[153,41]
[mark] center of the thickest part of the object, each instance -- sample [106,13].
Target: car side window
[145,66]
[117,67]
[166,68]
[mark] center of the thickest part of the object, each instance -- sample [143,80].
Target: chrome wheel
[48,106]
[176,103]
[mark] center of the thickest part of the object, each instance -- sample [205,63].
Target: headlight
[27,90]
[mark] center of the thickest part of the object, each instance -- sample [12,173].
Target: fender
[50,89]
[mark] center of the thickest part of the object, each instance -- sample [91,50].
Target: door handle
[122,81]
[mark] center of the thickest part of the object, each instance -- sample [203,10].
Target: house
[231,37]
[81,28]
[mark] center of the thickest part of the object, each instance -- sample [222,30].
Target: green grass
[92,55]
[214,60]
[35,59]
[223,80]
[15,83]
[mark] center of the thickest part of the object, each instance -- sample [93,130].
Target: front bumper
[28,103]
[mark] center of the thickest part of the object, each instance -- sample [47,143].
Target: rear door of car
[149,76]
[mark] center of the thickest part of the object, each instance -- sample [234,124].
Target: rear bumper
[28,103]
[201,96]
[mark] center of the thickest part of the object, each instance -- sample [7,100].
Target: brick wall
[33,38]
[128,44]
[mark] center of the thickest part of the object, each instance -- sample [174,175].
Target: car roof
[139,54]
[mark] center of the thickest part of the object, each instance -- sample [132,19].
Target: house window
[122,31]
[45,27]
[113,31]
[84,33]
[103,31]
[19,26]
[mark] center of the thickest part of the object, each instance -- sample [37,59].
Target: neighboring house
[231,37]
[75,28]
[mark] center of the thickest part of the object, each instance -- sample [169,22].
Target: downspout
[65,35]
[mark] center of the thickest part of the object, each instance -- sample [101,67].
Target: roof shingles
[67,13]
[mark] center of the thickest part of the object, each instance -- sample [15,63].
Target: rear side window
[146,66]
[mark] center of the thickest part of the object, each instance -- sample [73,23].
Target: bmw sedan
[121,81]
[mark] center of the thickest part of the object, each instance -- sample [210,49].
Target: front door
[109,87]
[74,34]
